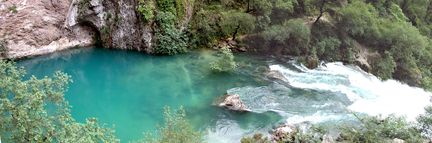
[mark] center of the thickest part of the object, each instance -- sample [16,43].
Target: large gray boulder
[234,103]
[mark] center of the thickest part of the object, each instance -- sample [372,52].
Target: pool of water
[128,90]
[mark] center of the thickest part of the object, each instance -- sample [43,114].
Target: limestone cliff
[117,23]
[35,27]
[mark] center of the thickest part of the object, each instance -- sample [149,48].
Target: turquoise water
[130,89]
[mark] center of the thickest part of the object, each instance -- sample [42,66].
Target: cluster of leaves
[292,35]
[369,129]
[147,9]
[13,9]
[170,40]
[224,62]
[35,110]
[376,129]
[176,129]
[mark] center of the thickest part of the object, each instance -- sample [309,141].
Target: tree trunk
[235,32]
[321,10]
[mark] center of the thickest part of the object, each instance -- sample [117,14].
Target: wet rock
[396,140]
[233,102]
[284,132]
[275,75]
[312,62]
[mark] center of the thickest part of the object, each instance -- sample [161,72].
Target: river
[128,90]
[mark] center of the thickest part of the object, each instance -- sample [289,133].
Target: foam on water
[369,94]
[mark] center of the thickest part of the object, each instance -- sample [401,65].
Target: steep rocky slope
[35,27]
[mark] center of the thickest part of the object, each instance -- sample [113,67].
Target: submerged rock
[272,74]
[233,102]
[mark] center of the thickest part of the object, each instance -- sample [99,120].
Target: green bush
[384,67]
[13,9]
[34,110]
[234,22]
[328,48]
[425,122]
[293,35]
[376,129]
[359,19]
[176,129]
[205,29]
[146,8]
[224,62]
[166,6]
[170,40]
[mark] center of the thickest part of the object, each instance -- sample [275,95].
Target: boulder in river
[233,102]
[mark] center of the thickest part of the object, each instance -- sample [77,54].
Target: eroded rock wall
[117,23]
[35,27]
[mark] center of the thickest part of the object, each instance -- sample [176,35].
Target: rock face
[233,102]
[117,23]
[35,27]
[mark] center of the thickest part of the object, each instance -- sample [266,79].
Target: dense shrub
[234,22]
[176,129]
[34,110]
[377,129]
[358,19]
[170,40]
[147,9]
[384,67]
[293,35]
[224,62]
[328,48]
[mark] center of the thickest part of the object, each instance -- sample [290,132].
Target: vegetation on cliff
[399,31]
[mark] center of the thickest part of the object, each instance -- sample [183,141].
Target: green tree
[170,40]
[293,35]
[176,129]
[358,19]
[35,110]
[384,67]
[235,22]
